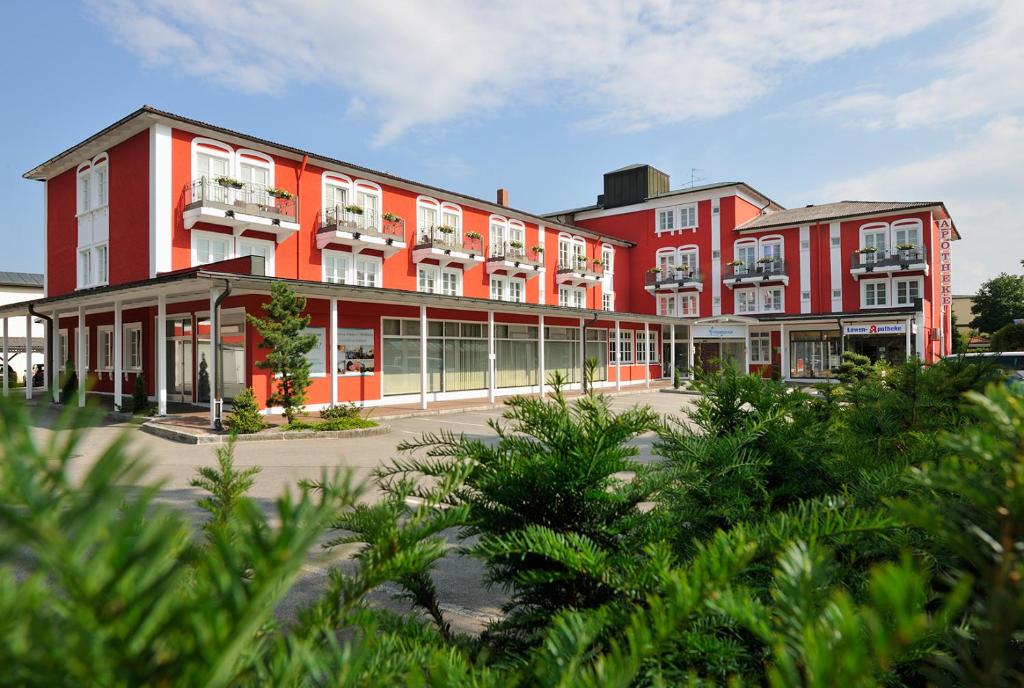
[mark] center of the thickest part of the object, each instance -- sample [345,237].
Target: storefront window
[814,353]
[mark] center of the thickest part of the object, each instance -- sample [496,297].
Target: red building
[161,230]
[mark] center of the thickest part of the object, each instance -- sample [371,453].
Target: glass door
[180,369]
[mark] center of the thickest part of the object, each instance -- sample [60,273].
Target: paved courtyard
[284,463]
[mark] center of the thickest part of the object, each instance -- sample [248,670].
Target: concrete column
[82,349]
[212,363]
[333,357]
[921,334]
[783,353]
[541,373]
[647,356]
[672,352]
[423,357]
[908,339]
[46,356]
[491,382]
[6,382]
[690,352]
[28,356]
[583,354]
[618,356]
[55,353]
[161,355]
[118,354]
[746,352]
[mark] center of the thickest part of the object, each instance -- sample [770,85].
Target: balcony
[515,260]
[889,262]
[579,272]
[765,270]
[241,206]
[448,247]
[348,226]
[673,280]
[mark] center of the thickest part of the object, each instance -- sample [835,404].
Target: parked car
[1011,361]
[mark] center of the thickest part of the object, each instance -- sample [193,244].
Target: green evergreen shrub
[339,411]
[203,382]
[69,385]
[1008,338]
[245,417]
[854,367]
[140,398]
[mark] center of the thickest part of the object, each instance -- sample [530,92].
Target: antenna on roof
[693,176]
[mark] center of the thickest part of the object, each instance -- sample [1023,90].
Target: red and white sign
[945,263]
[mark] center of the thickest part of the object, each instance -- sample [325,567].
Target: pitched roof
[831,211]
[21,279]
[141,118]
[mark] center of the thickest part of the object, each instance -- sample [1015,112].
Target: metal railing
[245,197]
[894,257]
[585,266]
[518,254]
[671,277]
[338,218]
[760,269]
[435,237]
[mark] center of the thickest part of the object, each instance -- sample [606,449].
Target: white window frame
[252,158]
[688,305]
[739,244]
[499,286]
[370,189]
[873,229]
[874,283]
[676,218]
[761,291]
[771,240]
[608,300]
[104,362]
[334,255]
[498,235]
[685,251]
[910,224]
[667,305]
[433,272]
[126,353]
[197,234]
[241,243]
[895,291]
[665,260]
[426,202]
[378,273]
[665,220]
[450,273]
[761,348]
[625,337]
[687,214]
[338,181]
[748,291]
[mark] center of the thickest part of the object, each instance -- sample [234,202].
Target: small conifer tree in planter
[244,417]
[140,400]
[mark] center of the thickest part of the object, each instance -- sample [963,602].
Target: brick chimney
[503,197]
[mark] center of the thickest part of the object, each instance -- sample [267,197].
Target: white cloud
[979,177]
[982,72]
[629,65]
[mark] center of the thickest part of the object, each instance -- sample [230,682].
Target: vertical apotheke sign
[945,264]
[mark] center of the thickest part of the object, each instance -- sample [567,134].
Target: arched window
[255,168]
[451,215]
[368,197]
[874,236]
[688,259]
[337,192]
[497,229]
[744,256]
[428,217]
[906,233]
[666,261]
[210,161]
[84,187]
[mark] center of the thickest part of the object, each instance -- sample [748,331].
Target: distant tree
[999,302]
[961,340]
[282,333]
[1008,338]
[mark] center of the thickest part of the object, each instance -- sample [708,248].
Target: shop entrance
[879,347]
[710,356]
[180,370]
[666,358]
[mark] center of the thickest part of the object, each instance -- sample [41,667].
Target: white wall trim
[805,268]
[716,261]
[160,194]
[835,262]
[46,240]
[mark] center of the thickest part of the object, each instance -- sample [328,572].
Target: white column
[541,373]
[6,358]
[491,382]
[746,352]
[161,355]
[56,364]
[783,353]
[921,333]
[118,354]
[908,339]
[81,348]
[423,357]
[618,356]
[672,352]
[647,354]
[690,352]
[46,357]
[333,358]
[211,367]
[28,356]
[583,354]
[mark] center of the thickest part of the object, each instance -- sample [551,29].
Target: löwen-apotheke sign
[716,331]
[876,328]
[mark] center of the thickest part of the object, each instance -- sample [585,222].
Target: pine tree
[244,417]
[204,379]
[287,346]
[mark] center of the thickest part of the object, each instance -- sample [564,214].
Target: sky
[809,101]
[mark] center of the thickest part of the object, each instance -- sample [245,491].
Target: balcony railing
[667,278]
[243,197]
[338,218]
[891,258]
[453,240]
[585,267]
[516,254]
[761,269]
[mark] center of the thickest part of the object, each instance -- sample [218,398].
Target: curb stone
[175,435]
